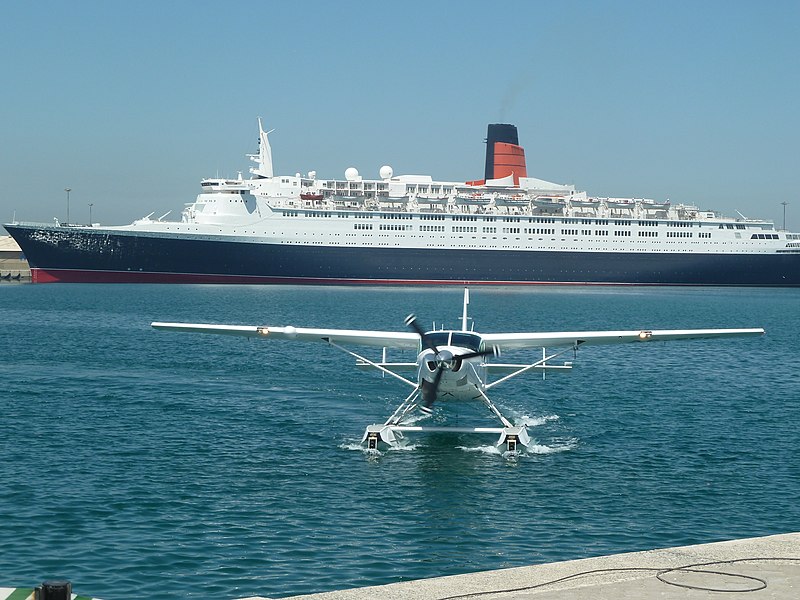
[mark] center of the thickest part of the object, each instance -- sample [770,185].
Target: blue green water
[139,463]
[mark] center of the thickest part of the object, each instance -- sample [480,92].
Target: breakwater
[14,270]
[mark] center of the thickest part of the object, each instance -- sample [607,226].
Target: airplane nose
[441,360]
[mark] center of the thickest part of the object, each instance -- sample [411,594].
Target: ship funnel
[504,155]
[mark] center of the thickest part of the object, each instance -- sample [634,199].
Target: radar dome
[351,174]
[386,172]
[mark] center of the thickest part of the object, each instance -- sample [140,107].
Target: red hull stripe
[77,276]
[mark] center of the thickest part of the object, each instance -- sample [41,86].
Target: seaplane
[453,365]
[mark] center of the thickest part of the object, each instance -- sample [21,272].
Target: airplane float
[453,365]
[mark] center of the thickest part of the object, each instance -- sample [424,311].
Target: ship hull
[84,255]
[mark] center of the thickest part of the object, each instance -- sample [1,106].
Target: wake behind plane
[453,365]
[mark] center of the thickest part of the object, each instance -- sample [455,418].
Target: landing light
[645,335]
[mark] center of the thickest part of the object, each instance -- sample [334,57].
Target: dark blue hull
[86,255]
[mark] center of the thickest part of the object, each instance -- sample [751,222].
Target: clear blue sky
[130,104]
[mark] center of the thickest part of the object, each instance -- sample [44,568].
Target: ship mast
[264,157]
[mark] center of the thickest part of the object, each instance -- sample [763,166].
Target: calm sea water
[139,463]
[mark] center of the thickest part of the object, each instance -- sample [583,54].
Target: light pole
[90,213]
[784,214]
[68,190]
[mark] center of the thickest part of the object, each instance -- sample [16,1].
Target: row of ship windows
[542,231]
[469,229]
[528,230]
[485,218]
[551,231]
[731,226]
[506,243]
[490,218]
[515,219]
[438,228]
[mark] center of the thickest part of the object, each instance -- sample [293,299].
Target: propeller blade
[429,391]
[411,321]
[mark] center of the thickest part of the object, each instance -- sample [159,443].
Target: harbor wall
[13,266]
[14,270]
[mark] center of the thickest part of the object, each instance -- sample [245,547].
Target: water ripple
[146,464]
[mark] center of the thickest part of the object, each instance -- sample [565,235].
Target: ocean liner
[506,228]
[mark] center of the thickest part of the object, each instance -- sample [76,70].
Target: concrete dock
[13,266]
[764,567]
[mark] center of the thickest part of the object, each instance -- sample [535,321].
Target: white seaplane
[453,364]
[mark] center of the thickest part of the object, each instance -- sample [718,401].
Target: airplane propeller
[444,361]
[411,321]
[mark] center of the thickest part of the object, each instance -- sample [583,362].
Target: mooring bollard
[54,590]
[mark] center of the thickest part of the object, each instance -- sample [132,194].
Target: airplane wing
[386,339]
[514,341]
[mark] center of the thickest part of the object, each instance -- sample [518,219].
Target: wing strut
[486,400]
[534,365]
[369,362]
[406,407]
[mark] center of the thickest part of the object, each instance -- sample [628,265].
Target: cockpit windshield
[466,340]
[437,338]
[452,338]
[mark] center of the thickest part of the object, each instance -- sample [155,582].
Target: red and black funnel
[504,155]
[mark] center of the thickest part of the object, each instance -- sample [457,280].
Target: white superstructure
[416,211]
